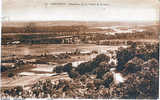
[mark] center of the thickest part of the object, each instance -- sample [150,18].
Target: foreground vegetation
[137,64]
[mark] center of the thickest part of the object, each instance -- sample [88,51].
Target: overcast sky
[116,10]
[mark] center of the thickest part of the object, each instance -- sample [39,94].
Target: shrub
[73,74]
[10,74]
[123,56]
[92,65]
[100,58]
[58,69]
[3,68]
[101,69]
[84,68]
[151,64]
[68,67]
[18,90]
[90,85]
[83,78]
[98,83]
[133,65]
[148,51]
[142,84]
[108,79]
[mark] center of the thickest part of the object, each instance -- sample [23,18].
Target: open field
[20,50]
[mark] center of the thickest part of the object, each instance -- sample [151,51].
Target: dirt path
[29,80]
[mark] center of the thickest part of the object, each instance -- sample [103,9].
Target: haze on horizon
[117,10]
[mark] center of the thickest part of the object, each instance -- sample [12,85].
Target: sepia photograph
[80,49]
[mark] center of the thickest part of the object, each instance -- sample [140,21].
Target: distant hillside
[51,26]
[70,23]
